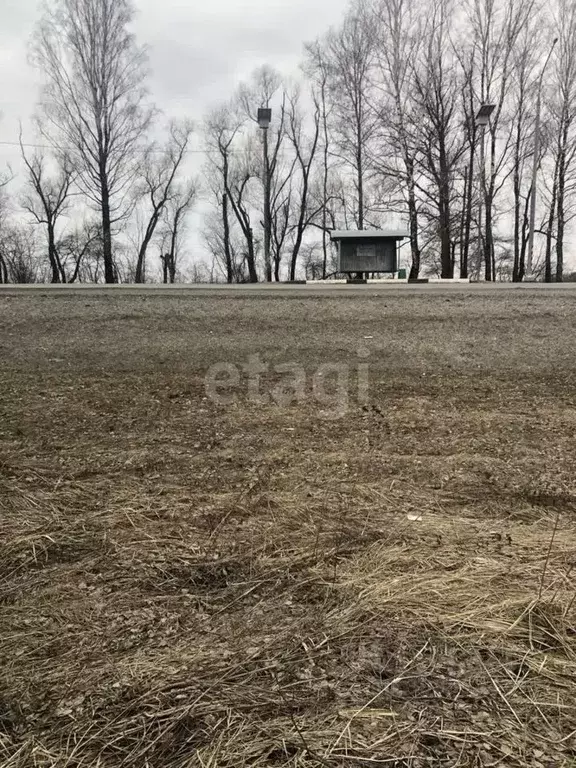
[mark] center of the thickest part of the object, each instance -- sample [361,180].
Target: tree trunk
[52,256]
[243,220]
[413,218]
[486,255]
[560,241]
[76,269]
[225,220]
[293,265]
[360,187]
[561,214]
[560,226]
[294,257]
[516,269]
[226,230]
[172,253]
[109,271]
[60,265]
[325,203]
[250,258]
[140,276]
[488,241]
[550,227]
[489,193]
[444,221]
[463,249]
[524,240]
[469,198]
[445,244]
[300,231]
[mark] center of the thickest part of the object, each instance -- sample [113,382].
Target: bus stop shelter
[368,251]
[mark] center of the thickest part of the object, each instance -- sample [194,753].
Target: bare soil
[383,582]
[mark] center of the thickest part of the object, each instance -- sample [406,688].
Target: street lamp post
[535,160]
[264,120]
[482,120]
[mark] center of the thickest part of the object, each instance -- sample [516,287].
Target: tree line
[379,125]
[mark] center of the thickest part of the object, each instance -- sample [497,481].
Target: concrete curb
[391,282]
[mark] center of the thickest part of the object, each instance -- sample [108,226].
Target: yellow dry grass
[188,585]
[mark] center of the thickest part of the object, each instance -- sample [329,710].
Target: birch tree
[525,60]
[317,69]
[564,114]
[350,55]
[397,49]
[441,146]
[496,30]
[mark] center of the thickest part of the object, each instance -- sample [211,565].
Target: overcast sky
[199,50]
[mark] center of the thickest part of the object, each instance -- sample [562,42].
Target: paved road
[286,289]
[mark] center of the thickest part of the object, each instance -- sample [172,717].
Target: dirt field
[340,581]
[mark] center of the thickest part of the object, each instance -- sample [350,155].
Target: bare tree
[277,193]
[175,212]
[265,82]
[441,144]
[93,103]
[238,196]
[281,216]
[221,128]
[80,253]
[159,178]
[469,111]
[525,59]
[398,48]
[5,179]
[19,258]
[225,247]
[497,30]
[391,130]
[314,267]
[350,54]
[48,200]
[232,167]
[305,147]
[564,116]
[316,68]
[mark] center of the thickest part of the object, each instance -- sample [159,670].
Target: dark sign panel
[367,255]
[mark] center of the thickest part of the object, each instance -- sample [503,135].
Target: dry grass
[184,584]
